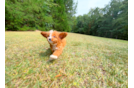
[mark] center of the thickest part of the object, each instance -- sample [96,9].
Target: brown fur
[58,41]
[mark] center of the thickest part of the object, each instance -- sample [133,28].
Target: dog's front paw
[53,57]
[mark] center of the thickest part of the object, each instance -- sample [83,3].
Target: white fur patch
[54,47]
[51,31]
[50,36]
[52,57]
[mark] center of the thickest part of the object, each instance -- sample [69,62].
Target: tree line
[43,15]
[110,21]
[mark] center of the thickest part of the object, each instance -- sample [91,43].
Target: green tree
[110,21]
[27,14]
[63,14]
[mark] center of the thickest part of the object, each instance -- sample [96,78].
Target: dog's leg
[51,48]
[55,54]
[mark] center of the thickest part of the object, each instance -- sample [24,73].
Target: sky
[84,6]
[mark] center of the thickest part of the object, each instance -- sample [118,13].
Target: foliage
[39,14]
[110,21]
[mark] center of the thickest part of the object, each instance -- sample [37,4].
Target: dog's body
[57,42]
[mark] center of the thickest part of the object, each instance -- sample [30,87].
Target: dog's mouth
[50,41]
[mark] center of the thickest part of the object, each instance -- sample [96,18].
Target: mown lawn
[86,62]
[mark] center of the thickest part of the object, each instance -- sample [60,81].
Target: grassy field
[86,62]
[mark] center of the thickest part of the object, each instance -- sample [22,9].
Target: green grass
[86,62]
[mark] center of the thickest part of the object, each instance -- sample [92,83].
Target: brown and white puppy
[57,42]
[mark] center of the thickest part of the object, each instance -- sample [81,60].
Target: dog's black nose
[49,39]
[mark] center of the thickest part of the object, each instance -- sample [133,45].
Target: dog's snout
[49,39]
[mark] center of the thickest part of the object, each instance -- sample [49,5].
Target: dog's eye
[54,36]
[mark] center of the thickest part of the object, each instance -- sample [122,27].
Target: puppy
[57,42]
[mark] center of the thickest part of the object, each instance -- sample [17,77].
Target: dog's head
[54,37]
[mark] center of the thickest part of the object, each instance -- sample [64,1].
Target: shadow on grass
[5,47]
[47,53]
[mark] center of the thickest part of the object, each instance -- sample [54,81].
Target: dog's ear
[45,34]
[62,35]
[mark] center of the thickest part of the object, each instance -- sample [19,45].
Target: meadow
[86,62]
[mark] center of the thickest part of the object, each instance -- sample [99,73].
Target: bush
[24,28]
[6,29]
[32,29]
[40,28]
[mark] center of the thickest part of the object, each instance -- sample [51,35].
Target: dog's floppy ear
[45,34]
[62,35]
